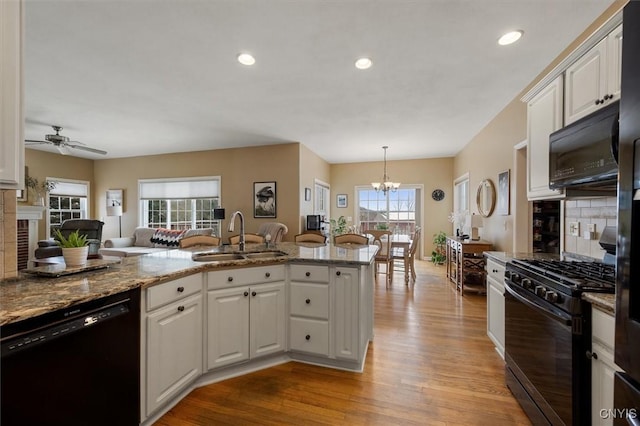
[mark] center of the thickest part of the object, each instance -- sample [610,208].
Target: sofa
[148,240]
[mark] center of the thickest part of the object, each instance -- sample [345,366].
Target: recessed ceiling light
[510,37]
[363,63]
[246,59]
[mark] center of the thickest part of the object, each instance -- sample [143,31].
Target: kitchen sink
[216,257]
[264,254]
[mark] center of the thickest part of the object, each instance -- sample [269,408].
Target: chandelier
[386,184]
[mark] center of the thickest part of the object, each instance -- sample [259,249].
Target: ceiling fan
[61,142]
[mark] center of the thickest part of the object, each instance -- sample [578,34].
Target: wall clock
[437,194]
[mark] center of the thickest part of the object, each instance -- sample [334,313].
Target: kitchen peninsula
[202,322]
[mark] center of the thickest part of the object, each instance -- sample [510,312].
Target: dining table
[402,241]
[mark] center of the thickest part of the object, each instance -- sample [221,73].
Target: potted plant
[339,226]
[40,188]
[75,247]
[438,256]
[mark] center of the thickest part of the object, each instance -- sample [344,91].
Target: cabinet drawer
[310,273]
[310,300]
[495,270]
[603,327]
[310,336]
[244,276]
[171,291]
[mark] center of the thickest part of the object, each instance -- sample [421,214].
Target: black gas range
[548,334]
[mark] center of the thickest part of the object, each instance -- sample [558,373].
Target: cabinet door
[544,116]
[614,63]
[174,349]
[11,95]
[267,317]
[227,326]
[346,312]
[602,377]
[586,83]
[495,313]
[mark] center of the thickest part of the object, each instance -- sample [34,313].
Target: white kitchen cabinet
[11,95]
[544,116]
[603,367]
[593,81]
[173,339]
[246,314]
[345,282]
[495,304]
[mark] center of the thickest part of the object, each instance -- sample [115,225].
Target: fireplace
[28,218]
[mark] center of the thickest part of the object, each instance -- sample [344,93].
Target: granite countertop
[504,257]
[604,301]
[29,295]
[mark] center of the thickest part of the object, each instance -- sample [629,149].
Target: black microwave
[584,154]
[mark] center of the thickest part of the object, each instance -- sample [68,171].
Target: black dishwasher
[75,366]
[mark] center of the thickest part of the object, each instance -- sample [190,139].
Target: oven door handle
[550,311]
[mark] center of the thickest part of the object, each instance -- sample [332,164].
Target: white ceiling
[145,77]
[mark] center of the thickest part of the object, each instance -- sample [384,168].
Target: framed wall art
[341,200]
[114,198]
[264,199]
[503,193]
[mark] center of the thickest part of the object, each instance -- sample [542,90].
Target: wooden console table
[466,264]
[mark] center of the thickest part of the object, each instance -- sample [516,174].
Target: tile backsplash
[601,212]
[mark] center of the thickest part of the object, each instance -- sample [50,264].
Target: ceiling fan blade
[32,141]
[86,148]
[62,149]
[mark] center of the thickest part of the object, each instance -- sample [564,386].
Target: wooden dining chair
[310,237]
[403,258]
[248,239]
[383,240]
[351,239]
[200,240]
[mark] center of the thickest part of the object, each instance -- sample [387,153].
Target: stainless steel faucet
[231,227]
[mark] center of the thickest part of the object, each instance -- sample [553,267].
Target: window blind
[179,189]
[71,189]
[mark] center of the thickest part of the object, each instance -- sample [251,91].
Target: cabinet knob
[607,97]
[180,289]
[268,274]
[181,308]
[246,293]
[230,279]
[338,273]
[592,355]
[253,293]
[308,274]
[307,301]
[599,101]
[307,337]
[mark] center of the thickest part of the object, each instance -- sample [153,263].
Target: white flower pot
[75,256]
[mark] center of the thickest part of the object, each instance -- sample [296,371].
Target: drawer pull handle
[253,293]
[180,289]
[592,355]
[307,337]
[307,301]
[230,279]
[181,308]
[338,273]
[246,293]
[308,274]
[268,274]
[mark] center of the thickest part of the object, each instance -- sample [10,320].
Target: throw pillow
[167,237]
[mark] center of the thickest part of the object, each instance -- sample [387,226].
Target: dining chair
[310,237]
[200,240]
[351,239]
[383,240]
[248,238]
[406,255]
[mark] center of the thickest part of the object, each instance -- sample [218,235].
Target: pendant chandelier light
[386,184]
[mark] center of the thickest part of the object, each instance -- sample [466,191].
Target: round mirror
[486,198]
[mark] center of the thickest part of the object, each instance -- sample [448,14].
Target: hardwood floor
[431,363]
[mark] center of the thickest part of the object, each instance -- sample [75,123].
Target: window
[185,203]
[396,211]
[68,200]
[461,193]
[321,205]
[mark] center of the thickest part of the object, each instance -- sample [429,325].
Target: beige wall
[312,167]
[238,168]
[42,165]
[435,173]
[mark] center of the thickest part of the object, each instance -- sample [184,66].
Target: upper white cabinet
[544,116]
[11,95]
[593,81]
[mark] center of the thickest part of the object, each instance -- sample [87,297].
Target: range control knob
[551,296]
[526,283]
[540,291]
